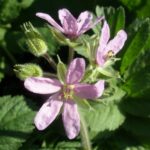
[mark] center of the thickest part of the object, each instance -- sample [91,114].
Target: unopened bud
[37,45]
[24,71]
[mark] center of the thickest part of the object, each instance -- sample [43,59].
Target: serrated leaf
[16,121]
[134,45]
[138,84]
[105,115]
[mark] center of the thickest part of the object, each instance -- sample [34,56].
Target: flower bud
[24,71]
[37,45]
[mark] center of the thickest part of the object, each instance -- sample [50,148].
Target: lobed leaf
[16,121]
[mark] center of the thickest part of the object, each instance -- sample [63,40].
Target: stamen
[110,54]
[68,91]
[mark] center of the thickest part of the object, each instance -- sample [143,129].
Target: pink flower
[63,97]
[110,48]
[71,26]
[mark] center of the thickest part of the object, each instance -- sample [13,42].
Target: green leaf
[135,64]
[83,103]
[52,44]
[66,145]
[2,33]
[135,44]
[87,46]
[2,67]
[105,115]
[140,8]
[137,107]
[10,9]
[116,19]
[139,127]
[131,4]
[138,84]
[16,121]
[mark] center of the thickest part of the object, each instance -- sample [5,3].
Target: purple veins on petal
[68,22]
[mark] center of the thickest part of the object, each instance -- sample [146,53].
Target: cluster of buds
[76,82]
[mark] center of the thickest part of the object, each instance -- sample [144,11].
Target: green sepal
[61,71]
[83,103]
[108,72]
[62,39]
[27,70]
[88,46]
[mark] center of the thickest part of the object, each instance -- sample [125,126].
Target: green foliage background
[121,122]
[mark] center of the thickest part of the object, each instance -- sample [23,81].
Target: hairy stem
[84,135]
[50,61]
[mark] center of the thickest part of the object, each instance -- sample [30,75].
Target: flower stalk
[71,55]
[86,144]
[50,61]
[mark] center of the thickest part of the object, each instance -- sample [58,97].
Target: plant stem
[10,56]
[84,135]
[71,55]
[50,61]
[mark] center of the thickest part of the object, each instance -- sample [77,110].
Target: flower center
[67,91]
[109,55]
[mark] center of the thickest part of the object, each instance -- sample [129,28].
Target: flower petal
[71,119]
[50,20]
[84,22]
[75,71]
[42,85]
[105,35]
[100,58]
[48,112]
[117,42]
[89,91]
[68,22]
[100,86]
